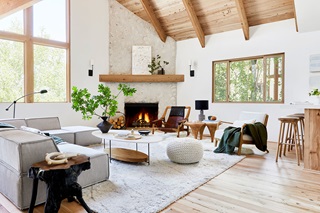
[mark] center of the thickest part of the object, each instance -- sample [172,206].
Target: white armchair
[244,118]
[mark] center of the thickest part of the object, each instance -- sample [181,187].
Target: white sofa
[80,135]
[19,149]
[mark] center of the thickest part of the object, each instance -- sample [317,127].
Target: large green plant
[87,104]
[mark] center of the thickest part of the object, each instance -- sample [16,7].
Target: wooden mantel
[141,78]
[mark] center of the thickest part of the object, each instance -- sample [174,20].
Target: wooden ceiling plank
[8,7]
[243,18]
[154,20]
[195,21]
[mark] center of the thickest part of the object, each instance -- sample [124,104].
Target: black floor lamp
[14,102]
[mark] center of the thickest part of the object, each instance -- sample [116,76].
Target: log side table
[61,180]
[196,127]
[212,127]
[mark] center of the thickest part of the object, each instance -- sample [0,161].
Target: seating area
[234,85]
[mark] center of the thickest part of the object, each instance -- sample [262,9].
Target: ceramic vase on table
[105,125]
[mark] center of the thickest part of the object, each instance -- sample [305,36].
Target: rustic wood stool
[288,135]
[300,130]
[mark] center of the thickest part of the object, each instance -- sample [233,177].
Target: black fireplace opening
[140,114]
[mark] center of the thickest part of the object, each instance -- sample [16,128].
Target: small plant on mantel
[314,92]
[156,64]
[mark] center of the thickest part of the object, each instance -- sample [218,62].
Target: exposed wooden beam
[8,7]
[154,20]
[195,21]
[295,17]
[243,18]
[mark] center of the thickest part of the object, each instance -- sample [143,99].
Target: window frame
[29,40]
[264,57]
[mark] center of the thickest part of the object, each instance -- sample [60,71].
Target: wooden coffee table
[127,155]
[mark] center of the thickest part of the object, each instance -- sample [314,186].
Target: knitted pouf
[186,150]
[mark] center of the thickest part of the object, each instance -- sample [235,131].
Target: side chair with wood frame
[175,122]
[243,119]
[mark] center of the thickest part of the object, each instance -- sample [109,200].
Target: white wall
[89,40]
[264,39]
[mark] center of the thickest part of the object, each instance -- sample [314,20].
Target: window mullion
[28,54]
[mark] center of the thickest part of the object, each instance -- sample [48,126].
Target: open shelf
[141,78]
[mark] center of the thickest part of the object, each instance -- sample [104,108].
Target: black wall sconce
[191,70]
[90,71]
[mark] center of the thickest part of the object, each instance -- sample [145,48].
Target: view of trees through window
[256,79]
[34,53]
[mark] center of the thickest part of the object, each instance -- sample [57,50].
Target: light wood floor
[256,184]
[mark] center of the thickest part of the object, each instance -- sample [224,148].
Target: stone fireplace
[140,114]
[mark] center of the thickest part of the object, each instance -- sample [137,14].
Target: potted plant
[157,65]
[315,96]
[87,104]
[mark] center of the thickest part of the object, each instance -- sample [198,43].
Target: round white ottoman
[185,150]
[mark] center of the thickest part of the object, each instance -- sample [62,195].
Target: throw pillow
[5,125]
[30,129]
[56,139]
[239,123]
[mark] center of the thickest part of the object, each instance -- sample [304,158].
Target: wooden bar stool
[300,130]
[288,135]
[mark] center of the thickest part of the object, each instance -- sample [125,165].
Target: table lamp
[202,105]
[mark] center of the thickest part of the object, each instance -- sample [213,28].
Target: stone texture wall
[127,30]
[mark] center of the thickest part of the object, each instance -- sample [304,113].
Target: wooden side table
[61,182]
[212,127]
[196,127]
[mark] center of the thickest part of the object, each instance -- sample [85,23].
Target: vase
[161,71]
[105,125]
[315,99]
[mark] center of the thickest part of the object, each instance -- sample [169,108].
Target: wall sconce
[90,71]
[191,70]
[202,105]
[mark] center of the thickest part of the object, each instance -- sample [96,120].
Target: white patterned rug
[150,188]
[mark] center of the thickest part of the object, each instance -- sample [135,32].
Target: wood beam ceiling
[195,22]
[8,7]
[154,20]
[243,18]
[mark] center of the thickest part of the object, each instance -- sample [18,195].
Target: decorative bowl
[144,132]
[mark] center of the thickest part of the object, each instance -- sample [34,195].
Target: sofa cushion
[5,125]
[66,135]
[83,135]
[17,122]
[45,123]
[99,163]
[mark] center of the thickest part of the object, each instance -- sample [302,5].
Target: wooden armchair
[175,123]
[244,118]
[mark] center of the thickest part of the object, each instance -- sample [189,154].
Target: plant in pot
[87,104]
[315,96]
[157,66]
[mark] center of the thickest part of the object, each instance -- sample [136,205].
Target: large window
[34,53]
[249,80]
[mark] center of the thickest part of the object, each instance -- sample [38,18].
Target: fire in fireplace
[140,114]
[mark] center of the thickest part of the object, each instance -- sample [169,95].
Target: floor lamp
[14,102]
[202,105]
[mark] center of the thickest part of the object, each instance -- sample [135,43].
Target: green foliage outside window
[255,80]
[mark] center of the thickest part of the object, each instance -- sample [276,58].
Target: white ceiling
[308,15]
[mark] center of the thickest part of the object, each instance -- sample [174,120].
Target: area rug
[143,188]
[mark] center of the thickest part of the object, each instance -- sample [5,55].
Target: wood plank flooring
[256,184]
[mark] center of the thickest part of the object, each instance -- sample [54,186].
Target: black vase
[105,125]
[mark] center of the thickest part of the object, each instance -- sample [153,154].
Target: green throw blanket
[231,137]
